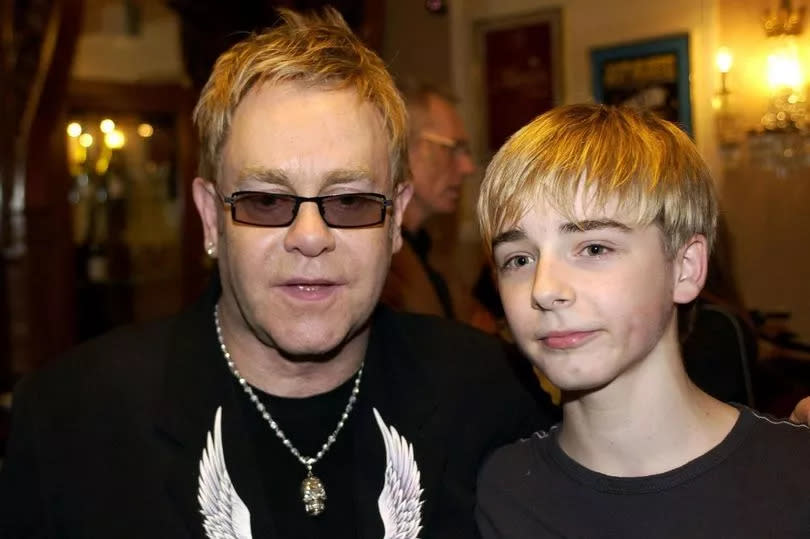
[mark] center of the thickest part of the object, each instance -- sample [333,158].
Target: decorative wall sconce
[727,129]
[724,61]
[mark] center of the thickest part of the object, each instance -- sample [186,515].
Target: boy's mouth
[562,340]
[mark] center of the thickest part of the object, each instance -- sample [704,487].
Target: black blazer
[107,442]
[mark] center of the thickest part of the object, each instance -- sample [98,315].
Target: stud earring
[210,250]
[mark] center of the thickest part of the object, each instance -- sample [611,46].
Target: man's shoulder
[458,342]
[438,327]
[122,360]
[463,359]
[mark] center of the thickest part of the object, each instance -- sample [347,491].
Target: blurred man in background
[440,163]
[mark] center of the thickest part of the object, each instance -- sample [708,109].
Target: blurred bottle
[117,249]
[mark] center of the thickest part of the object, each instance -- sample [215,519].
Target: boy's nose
[551,289]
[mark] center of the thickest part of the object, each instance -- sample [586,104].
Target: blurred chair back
[720,354]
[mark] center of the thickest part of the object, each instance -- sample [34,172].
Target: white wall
[416,43]
[595,23]
[106,52]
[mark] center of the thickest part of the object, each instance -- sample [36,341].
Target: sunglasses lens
[264,209]
[342,211]
[353,210]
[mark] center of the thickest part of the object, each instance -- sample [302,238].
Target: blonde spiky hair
[316,50]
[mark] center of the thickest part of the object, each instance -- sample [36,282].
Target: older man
[285,403]
[440,162]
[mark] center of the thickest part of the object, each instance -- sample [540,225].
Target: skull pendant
[313,495]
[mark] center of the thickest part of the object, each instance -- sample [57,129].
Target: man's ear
[401,200]
[691,267]
[207,202]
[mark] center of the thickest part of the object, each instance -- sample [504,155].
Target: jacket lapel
[197,382]
[408,286]
[397,385]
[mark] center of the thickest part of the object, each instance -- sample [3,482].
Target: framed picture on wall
[651,75]
[521,66]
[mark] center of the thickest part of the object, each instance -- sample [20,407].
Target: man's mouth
[309,289]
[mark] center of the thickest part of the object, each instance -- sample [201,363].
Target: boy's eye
[595,249]
[517,261]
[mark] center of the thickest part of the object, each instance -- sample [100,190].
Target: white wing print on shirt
[225,515]
[399,502]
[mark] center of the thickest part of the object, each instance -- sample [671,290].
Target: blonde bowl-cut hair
[317,50]
[617,155]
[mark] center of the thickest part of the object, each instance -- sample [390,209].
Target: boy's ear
[691,267]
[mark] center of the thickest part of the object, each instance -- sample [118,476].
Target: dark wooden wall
[211,26]
[38,43]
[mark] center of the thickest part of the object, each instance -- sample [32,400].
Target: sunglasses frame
[234,198]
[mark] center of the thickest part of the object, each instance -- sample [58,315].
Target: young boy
[601,221]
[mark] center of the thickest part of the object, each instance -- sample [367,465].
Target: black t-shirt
[754,484]
[307,423]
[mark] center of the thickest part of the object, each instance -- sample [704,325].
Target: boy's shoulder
[514,485]
[519,460]
[757,441]
[764,456]
[750,485]
[779,438]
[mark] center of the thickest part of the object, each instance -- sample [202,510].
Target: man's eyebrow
[514,234]
[348,175]
[262,175]
[275,176]
[593,224]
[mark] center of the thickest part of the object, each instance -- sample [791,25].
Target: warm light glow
[106,125]
[74,129]
[102,165]
[784,68]
[145,130]
[724,60]
[114,139]
[86,140]
[80,155]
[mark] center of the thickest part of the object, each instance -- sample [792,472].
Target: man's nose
[309,234]
[465,163]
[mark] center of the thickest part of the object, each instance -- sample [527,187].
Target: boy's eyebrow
[514,234]
[593,224]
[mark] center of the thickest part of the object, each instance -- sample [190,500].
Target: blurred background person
[441,162]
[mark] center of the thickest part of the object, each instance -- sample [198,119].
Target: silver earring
[210,250]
